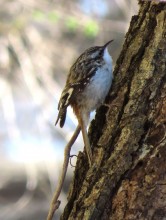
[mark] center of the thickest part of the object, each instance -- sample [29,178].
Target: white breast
[96,91]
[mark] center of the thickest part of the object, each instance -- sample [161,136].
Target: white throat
[107,58]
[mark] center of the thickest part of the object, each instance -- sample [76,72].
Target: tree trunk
[128,136]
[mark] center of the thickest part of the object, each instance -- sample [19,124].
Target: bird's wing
[69,95]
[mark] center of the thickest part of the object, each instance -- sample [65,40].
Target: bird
[87,85]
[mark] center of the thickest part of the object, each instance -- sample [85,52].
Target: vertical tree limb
[128,137]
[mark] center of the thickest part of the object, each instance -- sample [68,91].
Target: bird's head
[98,51]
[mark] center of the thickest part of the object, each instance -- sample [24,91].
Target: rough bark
[128,136]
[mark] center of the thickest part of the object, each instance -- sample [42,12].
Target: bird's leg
[86,139]
[55,202]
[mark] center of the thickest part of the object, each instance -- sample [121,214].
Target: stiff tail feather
[61,117]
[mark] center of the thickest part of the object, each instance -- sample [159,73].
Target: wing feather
[70,94]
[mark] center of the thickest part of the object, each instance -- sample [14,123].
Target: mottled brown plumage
[87,85]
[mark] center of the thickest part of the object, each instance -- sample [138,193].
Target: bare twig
[55,202]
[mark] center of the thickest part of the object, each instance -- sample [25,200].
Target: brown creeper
[87,85]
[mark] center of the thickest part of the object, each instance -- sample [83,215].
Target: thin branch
[55,202]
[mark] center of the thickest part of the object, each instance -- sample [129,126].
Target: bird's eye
[101,52]
[94,54]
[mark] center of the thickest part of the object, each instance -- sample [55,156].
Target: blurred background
[39,40]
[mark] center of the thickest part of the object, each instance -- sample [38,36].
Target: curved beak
[105,45]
